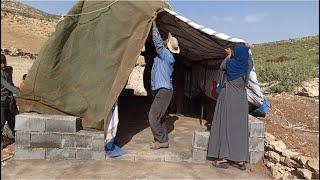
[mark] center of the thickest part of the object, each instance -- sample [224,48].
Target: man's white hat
[172,44]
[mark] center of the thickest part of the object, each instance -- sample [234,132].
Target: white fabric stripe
[208,31]
[195,25]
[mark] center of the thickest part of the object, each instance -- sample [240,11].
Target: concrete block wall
[56,137]
[256,142]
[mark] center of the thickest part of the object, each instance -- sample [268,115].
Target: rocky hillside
[17,8]
[24,27]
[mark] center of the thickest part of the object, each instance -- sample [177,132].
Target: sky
[253,21]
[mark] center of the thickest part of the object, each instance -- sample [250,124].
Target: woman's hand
[229,52]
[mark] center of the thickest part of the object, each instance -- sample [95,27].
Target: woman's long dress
[229,132]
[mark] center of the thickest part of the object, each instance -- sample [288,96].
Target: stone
[304,173]
[255,156]
[59,154]
[291,163]
[199,155]
[269,137]
[58,123]
[200,140]
[278,145]
[309,88]
[29,122]
[256,127]
[301,159]
[279,172]
[288,153]
[273,156]
[29,153]
[313,165]
[268,163]
[22,139]
[45,140]
[256,144]
[76,140]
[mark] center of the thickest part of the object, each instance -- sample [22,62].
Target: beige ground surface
[118,169]
[25,33]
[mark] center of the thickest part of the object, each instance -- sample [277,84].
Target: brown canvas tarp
[85,64]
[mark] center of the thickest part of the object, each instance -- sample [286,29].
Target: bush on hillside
[287,75]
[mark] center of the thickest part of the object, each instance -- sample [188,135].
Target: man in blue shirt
[161,85]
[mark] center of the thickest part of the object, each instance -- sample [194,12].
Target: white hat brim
[176,51]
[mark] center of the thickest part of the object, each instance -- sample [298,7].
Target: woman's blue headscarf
[239,64]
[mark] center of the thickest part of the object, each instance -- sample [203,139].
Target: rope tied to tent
[86,13]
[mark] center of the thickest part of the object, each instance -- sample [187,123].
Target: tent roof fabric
[84,65]
[206,30]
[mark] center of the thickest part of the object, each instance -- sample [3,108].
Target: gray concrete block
[89,154]
[22,139]
[256,127]
[29,153]
[98,142]
[256,144]
[256,156]
[84,154]
[200,140]
[151,157]
[29,122]
[56,123]
[173,158]
[76,140]
[127,157]
[98,155]
[59,154]
[45,140]
[199,155]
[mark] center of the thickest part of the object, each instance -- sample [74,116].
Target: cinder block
[45,140]
[150,157]
[57,123]
[30,153]
[200,140]
[76,140]
[98,142]
[199,155]
[84,154]
[22,139]
[256,127]
[127,157]
[256,156]
[173,158]
[98,155]
[59,154]
[256,144]
[29,122]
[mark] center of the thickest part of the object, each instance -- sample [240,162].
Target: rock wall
[287,164]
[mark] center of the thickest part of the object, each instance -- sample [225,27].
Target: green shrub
[303,63]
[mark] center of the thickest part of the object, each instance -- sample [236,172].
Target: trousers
[157,114]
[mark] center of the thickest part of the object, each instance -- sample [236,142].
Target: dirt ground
[302,113]
[25,33]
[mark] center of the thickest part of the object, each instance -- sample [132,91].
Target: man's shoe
[158,145]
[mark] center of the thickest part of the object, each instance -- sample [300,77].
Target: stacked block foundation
[56,137]
[256,142]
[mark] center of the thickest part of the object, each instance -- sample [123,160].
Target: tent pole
[190,74]
[204,90]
